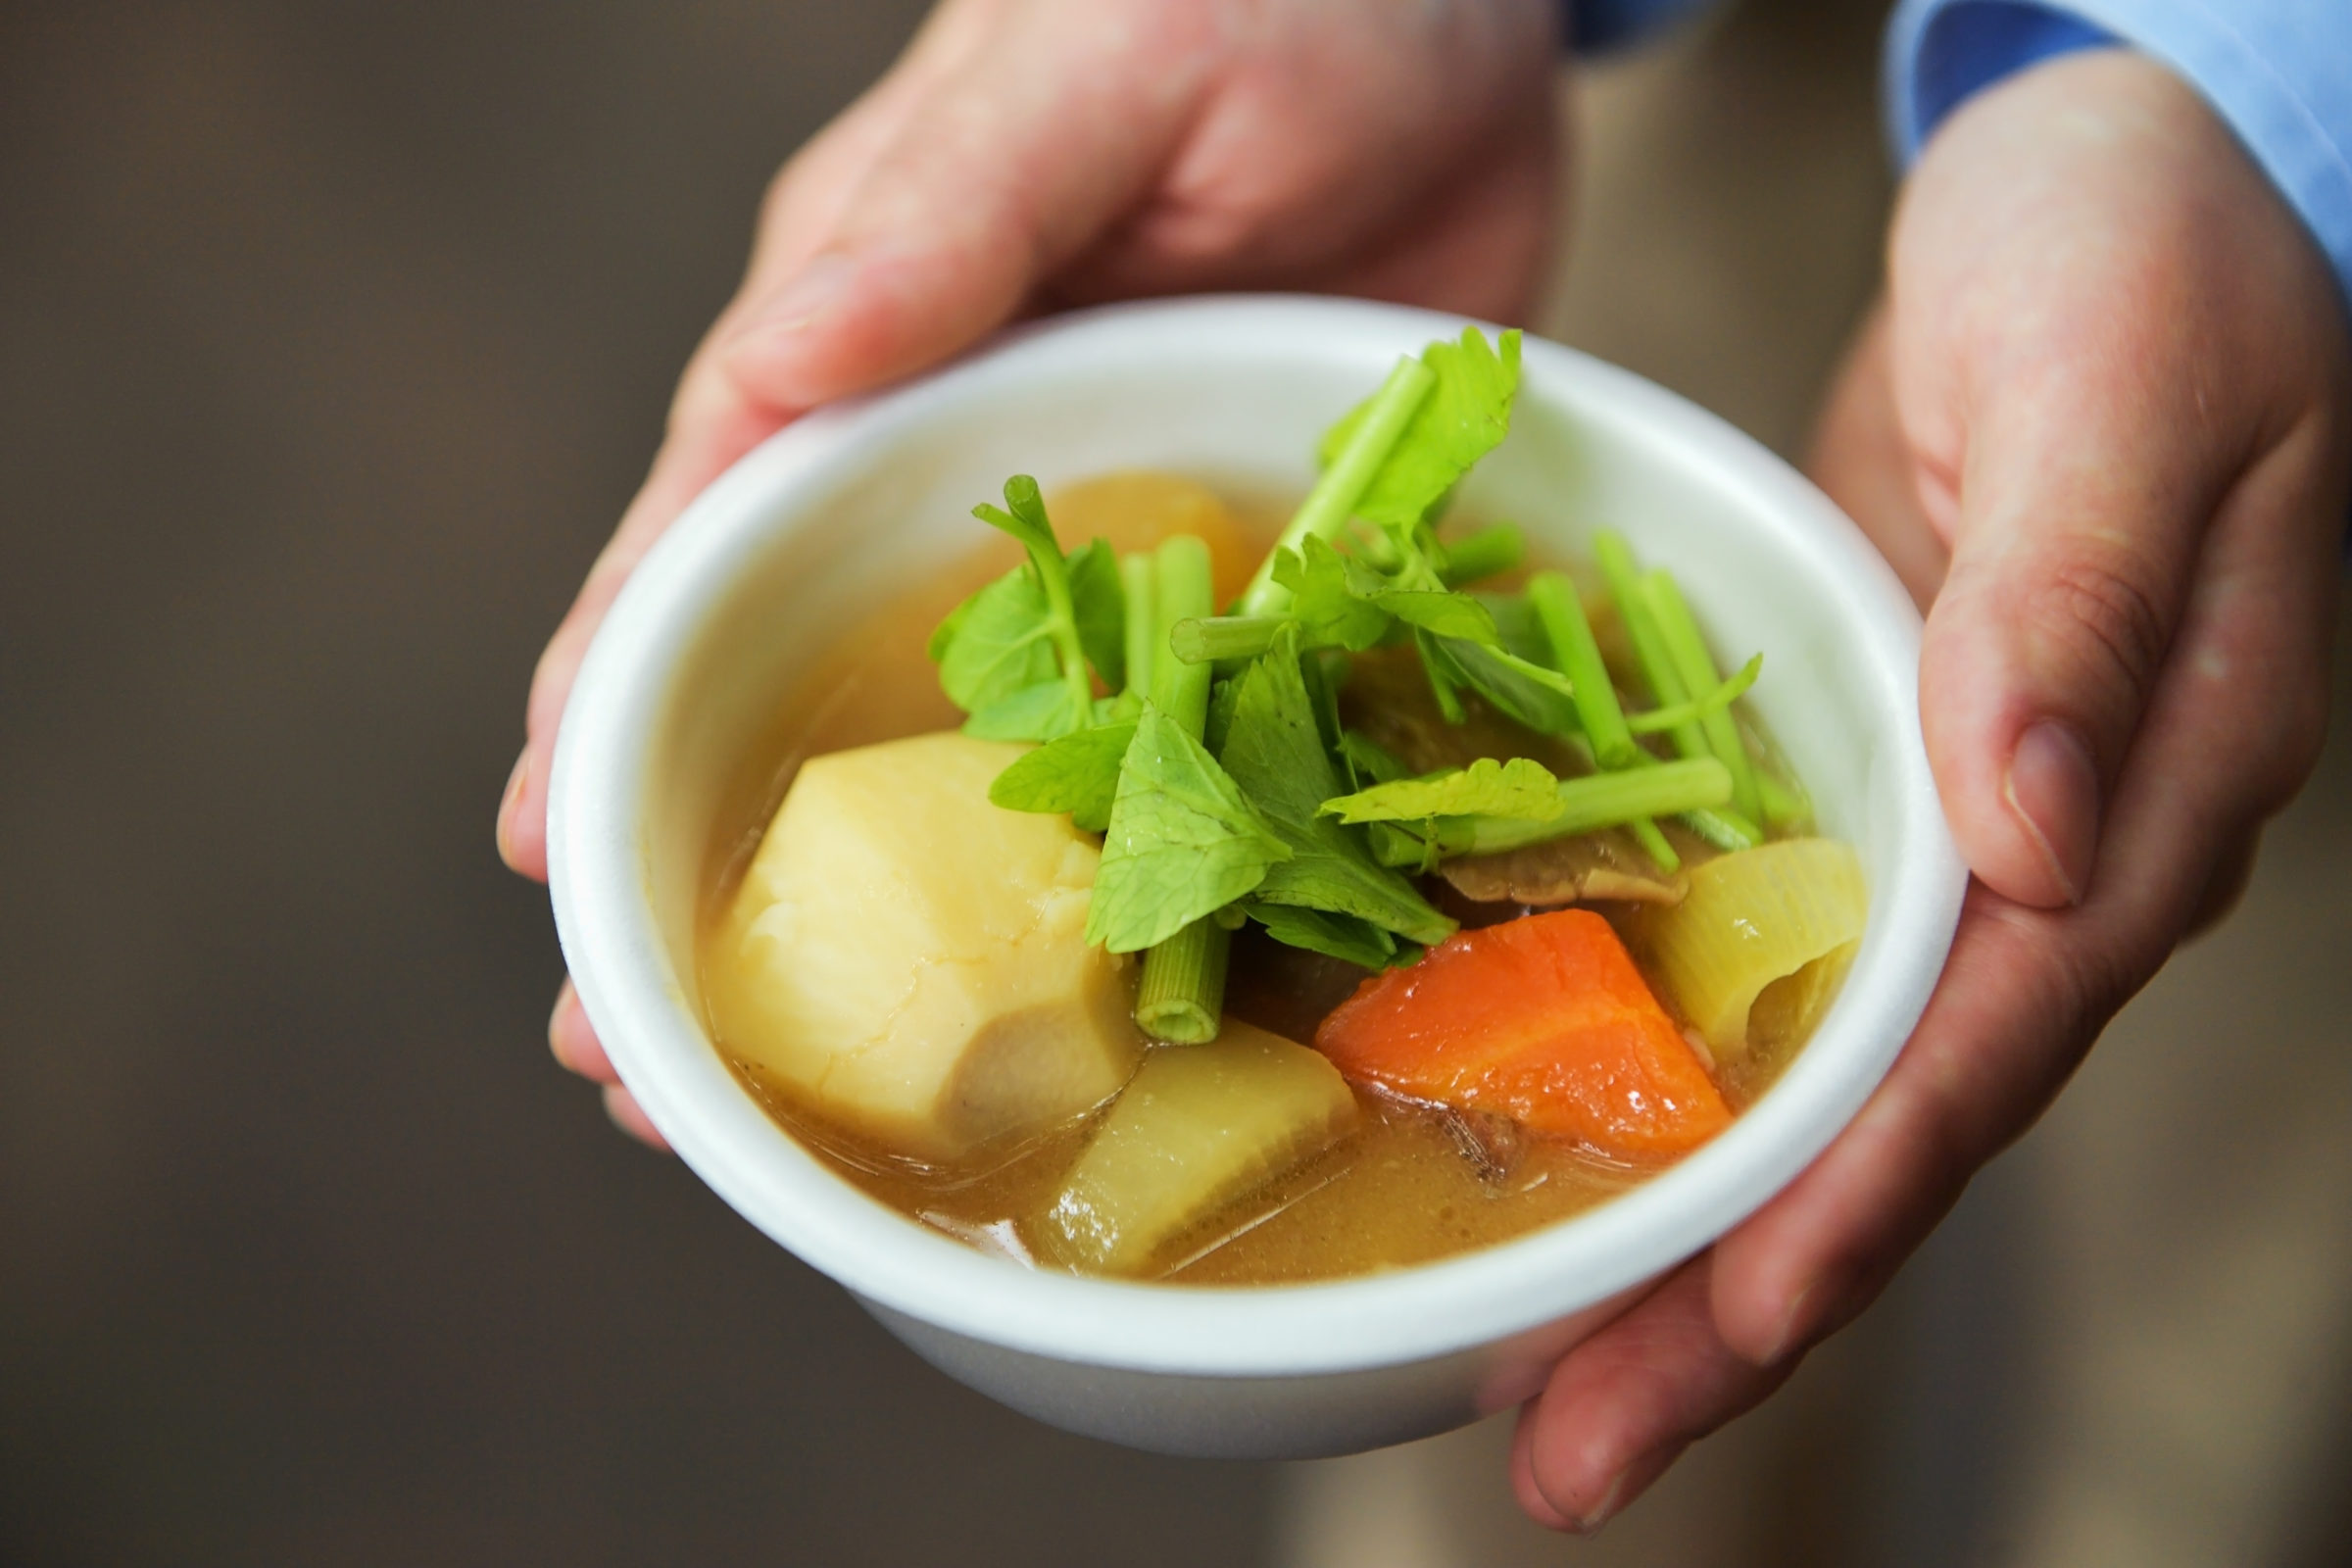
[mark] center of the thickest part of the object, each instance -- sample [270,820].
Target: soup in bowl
[784,617]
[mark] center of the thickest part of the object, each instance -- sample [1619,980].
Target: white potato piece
[1196,1129]
[913,959]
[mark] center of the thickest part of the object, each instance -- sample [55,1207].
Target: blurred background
[332,341]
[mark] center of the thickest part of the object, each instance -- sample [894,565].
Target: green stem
[1136,585]
[1666,687]
[1182,591]
[1595,802]
[1211,638]
[1061,615]
[1652,838]
[1697,667]
[1715,701]
[1183,989]
[1561,610]
[1181,996]
[1726,829]
[1329,505]
[1784,803]
[1484,554]
[1578,652]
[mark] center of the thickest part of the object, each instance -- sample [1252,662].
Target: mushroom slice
[1571,870]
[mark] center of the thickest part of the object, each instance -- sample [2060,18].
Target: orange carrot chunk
[1544,1019]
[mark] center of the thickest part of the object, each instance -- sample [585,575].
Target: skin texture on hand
[1025,154]
[2102,425]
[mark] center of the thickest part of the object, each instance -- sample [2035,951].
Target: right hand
[1025,154]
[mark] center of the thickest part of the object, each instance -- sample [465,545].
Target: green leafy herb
[1044,712]
[1519,631]
[1445,685]
[1078,773]
[994,643]
[1714,703]
[1181,841]
[1014,656]
[1520,788]
[1696,667]
[1482,554]
[1097,603]
[1274,750]
[1338,936]
[1585,806]
[1541,699]
[1332,597]
[1349,465]
[1368,762]
[1340,601]
[1464,416]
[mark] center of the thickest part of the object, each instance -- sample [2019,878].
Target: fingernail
[1601,1513]
[555,1016]
[507,802]
[2053,786]
[812,291]
[1784,1336]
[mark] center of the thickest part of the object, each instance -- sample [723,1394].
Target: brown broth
[1396,1191]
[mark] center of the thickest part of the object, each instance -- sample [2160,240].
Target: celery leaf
[1338,936]
[1079,774]
[1522,789]
[1274,750]
[1464,416]
[1181,841]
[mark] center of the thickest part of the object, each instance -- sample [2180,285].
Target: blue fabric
[2277,71]
[1595,25]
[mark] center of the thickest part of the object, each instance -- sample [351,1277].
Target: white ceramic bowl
[801,536]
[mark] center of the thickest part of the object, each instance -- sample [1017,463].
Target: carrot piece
[1544,1019]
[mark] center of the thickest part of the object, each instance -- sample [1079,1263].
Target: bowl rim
[619,962]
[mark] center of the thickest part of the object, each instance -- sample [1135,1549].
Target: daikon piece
[1197,1130]
[913,959]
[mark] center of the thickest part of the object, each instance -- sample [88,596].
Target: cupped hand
[1030,153]
[2103,424]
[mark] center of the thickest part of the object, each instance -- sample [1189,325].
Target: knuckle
[2100,613]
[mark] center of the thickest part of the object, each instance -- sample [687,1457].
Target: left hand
[2104,423]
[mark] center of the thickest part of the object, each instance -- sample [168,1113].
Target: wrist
[2277,72]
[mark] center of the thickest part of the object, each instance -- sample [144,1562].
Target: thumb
[1034,141]
[2081,511]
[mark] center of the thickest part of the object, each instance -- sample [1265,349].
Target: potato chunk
[913,958]
[1198,1128]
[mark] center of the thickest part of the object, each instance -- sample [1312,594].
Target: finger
[1624,1403]
[1013,164]
[1860,458]
[1480,245]
[2009,1019]
[631,1119]
[572,1039]
[908,229]
[714,419]
[2232,870]
[2080,522]
[2234,727]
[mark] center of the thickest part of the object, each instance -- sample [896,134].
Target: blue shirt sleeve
[2277,71]
[1594,25]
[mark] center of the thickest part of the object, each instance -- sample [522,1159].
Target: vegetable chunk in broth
[1279,914]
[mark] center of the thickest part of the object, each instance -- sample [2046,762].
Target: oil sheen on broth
[1410,1184]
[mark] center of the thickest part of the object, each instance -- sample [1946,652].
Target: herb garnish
[1217,770]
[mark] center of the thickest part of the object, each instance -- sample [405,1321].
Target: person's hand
[1029,153]
[2104,423]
